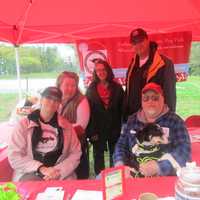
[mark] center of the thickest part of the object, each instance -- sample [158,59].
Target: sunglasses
[146,98]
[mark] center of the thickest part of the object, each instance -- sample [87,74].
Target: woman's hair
[110,75]
[69,109]
[64,75]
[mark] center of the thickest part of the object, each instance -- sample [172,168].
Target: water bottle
[188,184]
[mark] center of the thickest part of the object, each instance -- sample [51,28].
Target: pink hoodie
[20,151]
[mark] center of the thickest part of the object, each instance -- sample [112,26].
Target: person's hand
[55,175]
[149,168]
[50,173]
[63,122]
[128,171]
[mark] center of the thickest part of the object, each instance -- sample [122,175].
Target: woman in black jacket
[105,99]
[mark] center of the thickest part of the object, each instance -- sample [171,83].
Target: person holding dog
[177,151]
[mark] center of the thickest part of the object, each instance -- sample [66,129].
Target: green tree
[36,58]
[30,65]
[50,59]
[7,60]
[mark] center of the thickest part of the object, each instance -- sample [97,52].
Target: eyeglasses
[152,98]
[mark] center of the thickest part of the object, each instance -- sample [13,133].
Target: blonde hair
[67,74]
[69,108]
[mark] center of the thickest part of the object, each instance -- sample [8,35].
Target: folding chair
[193,121]
[6,171]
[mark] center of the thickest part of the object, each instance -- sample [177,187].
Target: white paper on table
[87,195]
[45,196]
[53,189]
[51,194]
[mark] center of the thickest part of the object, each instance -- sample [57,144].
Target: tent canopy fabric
[54,21]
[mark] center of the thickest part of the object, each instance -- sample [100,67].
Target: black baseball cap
[52,93]
[138,35]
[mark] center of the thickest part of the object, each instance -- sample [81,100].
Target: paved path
[33,85]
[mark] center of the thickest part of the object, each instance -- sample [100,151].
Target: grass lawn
[188,97]
[7,104]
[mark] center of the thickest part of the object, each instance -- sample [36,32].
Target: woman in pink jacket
[43,146]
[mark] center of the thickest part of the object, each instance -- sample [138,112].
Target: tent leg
[18,72]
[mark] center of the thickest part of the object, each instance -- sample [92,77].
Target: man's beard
[151,112]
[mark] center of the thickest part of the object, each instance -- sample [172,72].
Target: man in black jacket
[147,66]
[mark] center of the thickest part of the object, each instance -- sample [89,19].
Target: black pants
[82,171]
[98,155]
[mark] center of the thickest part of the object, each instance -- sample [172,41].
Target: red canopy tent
[63,21]
[47,21]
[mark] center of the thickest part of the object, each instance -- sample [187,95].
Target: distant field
[7,104]
[188,98]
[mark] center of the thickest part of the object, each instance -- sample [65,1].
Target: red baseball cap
[153,87]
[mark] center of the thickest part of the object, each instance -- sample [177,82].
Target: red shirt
[104,94]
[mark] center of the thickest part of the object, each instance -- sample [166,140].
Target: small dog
[148,144]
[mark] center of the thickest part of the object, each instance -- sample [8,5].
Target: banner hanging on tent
[119,52]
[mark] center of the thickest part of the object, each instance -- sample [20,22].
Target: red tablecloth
[162,186]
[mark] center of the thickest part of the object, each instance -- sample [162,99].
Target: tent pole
[18,72]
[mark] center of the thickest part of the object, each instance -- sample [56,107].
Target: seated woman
[75,109]
[42,146]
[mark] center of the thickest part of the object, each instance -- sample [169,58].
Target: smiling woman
[105,98]
[73,107]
